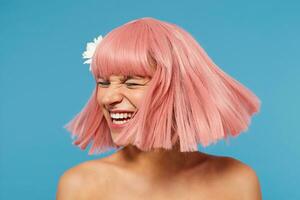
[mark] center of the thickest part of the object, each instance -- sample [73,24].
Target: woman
[158,96]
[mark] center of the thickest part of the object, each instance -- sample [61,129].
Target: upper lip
[120,111]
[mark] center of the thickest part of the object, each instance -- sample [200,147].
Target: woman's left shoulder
[239,177]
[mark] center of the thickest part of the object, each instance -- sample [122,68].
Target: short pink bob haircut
[189,101]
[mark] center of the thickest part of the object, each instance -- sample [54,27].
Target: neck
[159,161]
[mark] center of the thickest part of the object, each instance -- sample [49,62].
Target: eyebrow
[131,77]
[126,77]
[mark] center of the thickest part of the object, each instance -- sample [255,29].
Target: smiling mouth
[121,118]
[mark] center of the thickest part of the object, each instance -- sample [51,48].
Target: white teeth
[120,115]
[116,117]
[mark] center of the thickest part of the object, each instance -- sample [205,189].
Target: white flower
[90,50]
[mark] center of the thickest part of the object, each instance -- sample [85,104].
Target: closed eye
[103,83]
[132,84]
[106,83]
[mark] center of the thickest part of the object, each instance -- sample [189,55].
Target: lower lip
[117,126]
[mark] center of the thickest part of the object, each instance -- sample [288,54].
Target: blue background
[44,83]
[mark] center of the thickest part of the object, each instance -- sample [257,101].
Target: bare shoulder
[240,179]
[80,181]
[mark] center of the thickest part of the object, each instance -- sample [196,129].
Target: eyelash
[128,84]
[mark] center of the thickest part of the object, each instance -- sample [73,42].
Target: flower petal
[90,50]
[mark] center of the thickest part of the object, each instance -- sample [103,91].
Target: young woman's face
[120,96]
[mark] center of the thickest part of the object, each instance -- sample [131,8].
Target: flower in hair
[90,50]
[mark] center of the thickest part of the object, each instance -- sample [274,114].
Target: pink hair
[190,100]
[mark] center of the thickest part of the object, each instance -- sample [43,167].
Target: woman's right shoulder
[78,182]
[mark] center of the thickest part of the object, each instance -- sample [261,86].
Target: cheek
[99,97]
[137,98]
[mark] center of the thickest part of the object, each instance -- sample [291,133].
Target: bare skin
[156,175]
[132,174]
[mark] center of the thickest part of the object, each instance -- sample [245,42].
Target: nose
[111,96]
